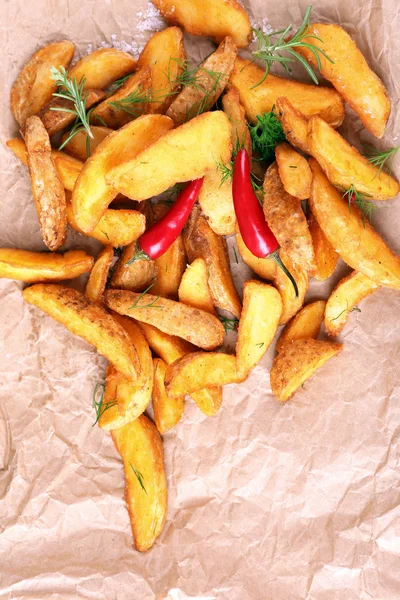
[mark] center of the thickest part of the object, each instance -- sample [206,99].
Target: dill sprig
[150,304]
[354,309]
[118,83]
[229,324]
[270,51]
[128,103]
[381,158]
[366,206]
[139,477]
[99,406]
[266,134]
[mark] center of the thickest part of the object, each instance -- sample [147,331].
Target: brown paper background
[266,501]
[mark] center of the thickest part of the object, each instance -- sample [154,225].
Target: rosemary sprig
[382,158]
[118,83]
[366,206]
[139,477]
[150,304]
[100,407]
[354,309]
[229,324]
[128,104]
[270,51]
[266,134]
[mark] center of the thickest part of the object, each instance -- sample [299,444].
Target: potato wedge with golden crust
[294,171]
[194,290]
[326,257]
[97,281]
[195,326]
[167,411]
[141,450]
[345,166]
[135,277]
[216,201]
[209,81]
[201,242]
[77,146]
[350,74]
[47,188]
[261,313]
[39,266]
[296,362]
[102,67]
[57,120]
[344,300]
[294,124]
[165,55]
[208,400]
[183,154]
[309,99]
[211,18]
[287,221]
[87,320]
[356,241]
[34,86]
[235,112]
[306,324]
[263,267]
[92,194]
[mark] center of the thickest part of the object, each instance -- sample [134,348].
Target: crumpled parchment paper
[266,501]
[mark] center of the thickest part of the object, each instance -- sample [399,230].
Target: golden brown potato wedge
[350,74]
[183,154]
[77,146]
[208,400]
[345,166]
[98,276]
[102,67]
[141,450]
[92,194]
[326,257]
[47,188]
[39,266]
[294,124]
[356,241]
[195,326]
[211,18]
[194,290]
[87,320]
[344,300]
[34,86]
[216,201]
[296,362]
[57,120]
[165,55]
[285,217]
[201,242]
[294,171]
[261,313]
[209,82]
[167,411]
[306,324]
[236,114]
[264,267]
[309,99]
[136,276]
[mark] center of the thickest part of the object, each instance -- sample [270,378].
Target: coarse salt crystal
[150,19]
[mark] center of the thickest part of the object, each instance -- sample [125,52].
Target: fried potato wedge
[39,266]
[165,55]
[98,275]
[216,201]
[294,171]
[287,221]
[309,99]
[344,299]
[356,242]
[195,326]
[47,188]
[129,102]
[326,257]
[209,82]
[296,362]
[34,86]
[183,154]
[57,120]
[92,194]
[194,290]
[167,411]
[305,325]
[201,242]
[235,112]
[345,166]
[87,320]
[350,74]
[141,450]
[77,146]
[211,18]
[102,67]
[136,276]
[261,313]
[263,267]
[294,124]
[208,400]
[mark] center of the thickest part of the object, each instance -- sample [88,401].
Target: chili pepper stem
[140,255]
[275,257]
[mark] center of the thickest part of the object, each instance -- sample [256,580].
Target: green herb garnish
[229,324]
[266,134]
[366,206]
[139,477]
[150,304]
[383,158]
[99,406]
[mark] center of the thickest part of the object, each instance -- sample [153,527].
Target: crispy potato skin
[296,362]
[47,188]
[211,18]
[309,99]
[306,324]
[235,112]
[294,124]
[216,201]
[87,320]
[346,295]
[102,67]
[140,445]
[326,257]
[195,326]
[194,290]
[345,166]
[294,171]
[356,242]
[350,74]
[98,276]
[32,267]
[167,411]
[76,147]
[34,86]
[135,277]
[56,121]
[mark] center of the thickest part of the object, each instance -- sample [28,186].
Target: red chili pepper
[253,228]
[156,240]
